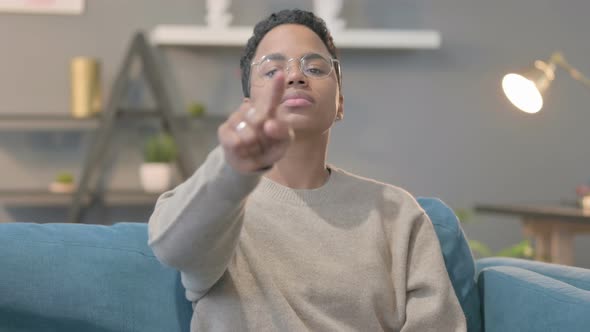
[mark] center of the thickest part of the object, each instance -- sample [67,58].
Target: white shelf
[45,198]
[65,122]
[41,121]
[192,35]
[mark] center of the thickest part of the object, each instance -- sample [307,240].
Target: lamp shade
[525,90]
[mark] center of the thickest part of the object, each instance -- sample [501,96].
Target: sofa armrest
[516,299]
[575,276]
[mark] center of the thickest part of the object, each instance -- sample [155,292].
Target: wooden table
[552,227]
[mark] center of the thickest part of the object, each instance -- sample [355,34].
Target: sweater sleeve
[195,227]
[431,303]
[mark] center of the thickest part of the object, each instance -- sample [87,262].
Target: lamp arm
[558,59]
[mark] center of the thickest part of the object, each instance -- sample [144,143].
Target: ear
[340,110]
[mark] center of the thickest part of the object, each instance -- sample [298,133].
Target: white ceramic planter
[155,177]
[62,188]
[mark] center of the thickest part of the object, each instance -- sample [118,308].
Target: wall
[433,122]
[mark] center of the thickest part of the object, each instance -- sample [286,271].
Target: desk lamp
[525,90]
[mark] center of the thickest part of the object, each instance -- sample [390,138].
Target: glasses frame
[334,66]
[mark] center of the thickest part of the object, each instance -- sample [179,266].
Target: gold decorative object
[86,95]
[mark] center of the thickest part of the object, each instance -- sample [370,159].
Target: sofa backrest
[93,278]
[458,258]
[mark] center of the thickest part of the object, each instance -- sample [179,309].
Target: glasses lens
[266,70]
[316,66]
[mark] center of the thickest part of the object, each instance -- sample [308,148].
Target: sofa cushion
[458,258]
[74,277]
[575,276]
[516,299]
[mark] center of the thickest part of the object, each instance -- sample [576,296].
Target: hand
[254,139]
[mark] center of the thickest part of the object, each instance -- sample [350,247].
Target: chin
[304,118]
[296,109]
[294,114]
[308,126]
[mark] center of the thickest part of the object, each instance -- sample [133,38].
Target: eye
[315,65]
[270,73]
[268,69]
[315,71]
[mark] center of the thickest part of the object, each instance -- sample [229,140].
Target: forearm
[196,226]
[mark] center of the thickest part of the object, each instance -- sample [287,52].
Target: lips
[297,99]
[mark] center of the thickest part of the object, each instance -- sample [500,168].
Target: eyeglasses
[312,65]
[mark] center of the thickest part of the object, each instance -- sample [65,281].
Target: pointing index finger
[276,95]
[269,101]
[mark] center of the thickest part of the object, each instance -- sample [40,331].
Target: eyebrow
[275,56]
[313,55]
[280,56]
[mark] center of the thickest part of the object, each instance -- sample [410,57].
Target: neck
[304,164]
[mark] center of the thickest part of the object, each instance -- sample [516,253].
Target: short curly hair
[287,16]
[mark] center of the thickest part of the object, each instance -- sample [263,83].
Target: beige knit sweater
[352,255]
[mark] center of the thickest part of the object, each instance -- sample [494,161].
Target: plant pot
[61,188]
[156,177]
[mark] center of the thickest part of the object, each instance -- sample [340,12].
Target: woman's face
[309,104]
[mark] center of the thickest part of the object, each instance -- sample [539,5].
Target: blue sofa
[92,278]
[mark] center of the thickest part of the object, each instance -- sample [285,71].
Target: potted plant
[196,109]
[157,170]
[522,249]
[63,183]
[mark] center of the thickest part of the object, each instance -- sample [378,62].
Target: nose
[295,76]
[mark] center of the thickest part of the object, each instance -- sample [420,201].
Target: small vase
[156,177]
[329,11]
[217,16]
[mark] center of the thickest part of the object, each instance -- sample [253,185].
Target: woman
[268,237]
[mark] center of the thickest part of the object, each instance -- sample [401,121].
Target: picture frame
[64,7]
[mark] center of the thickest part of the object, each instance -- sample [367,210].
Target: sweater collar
[274,191]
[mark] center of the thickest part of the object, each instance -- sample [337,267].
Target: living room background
[431,121]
